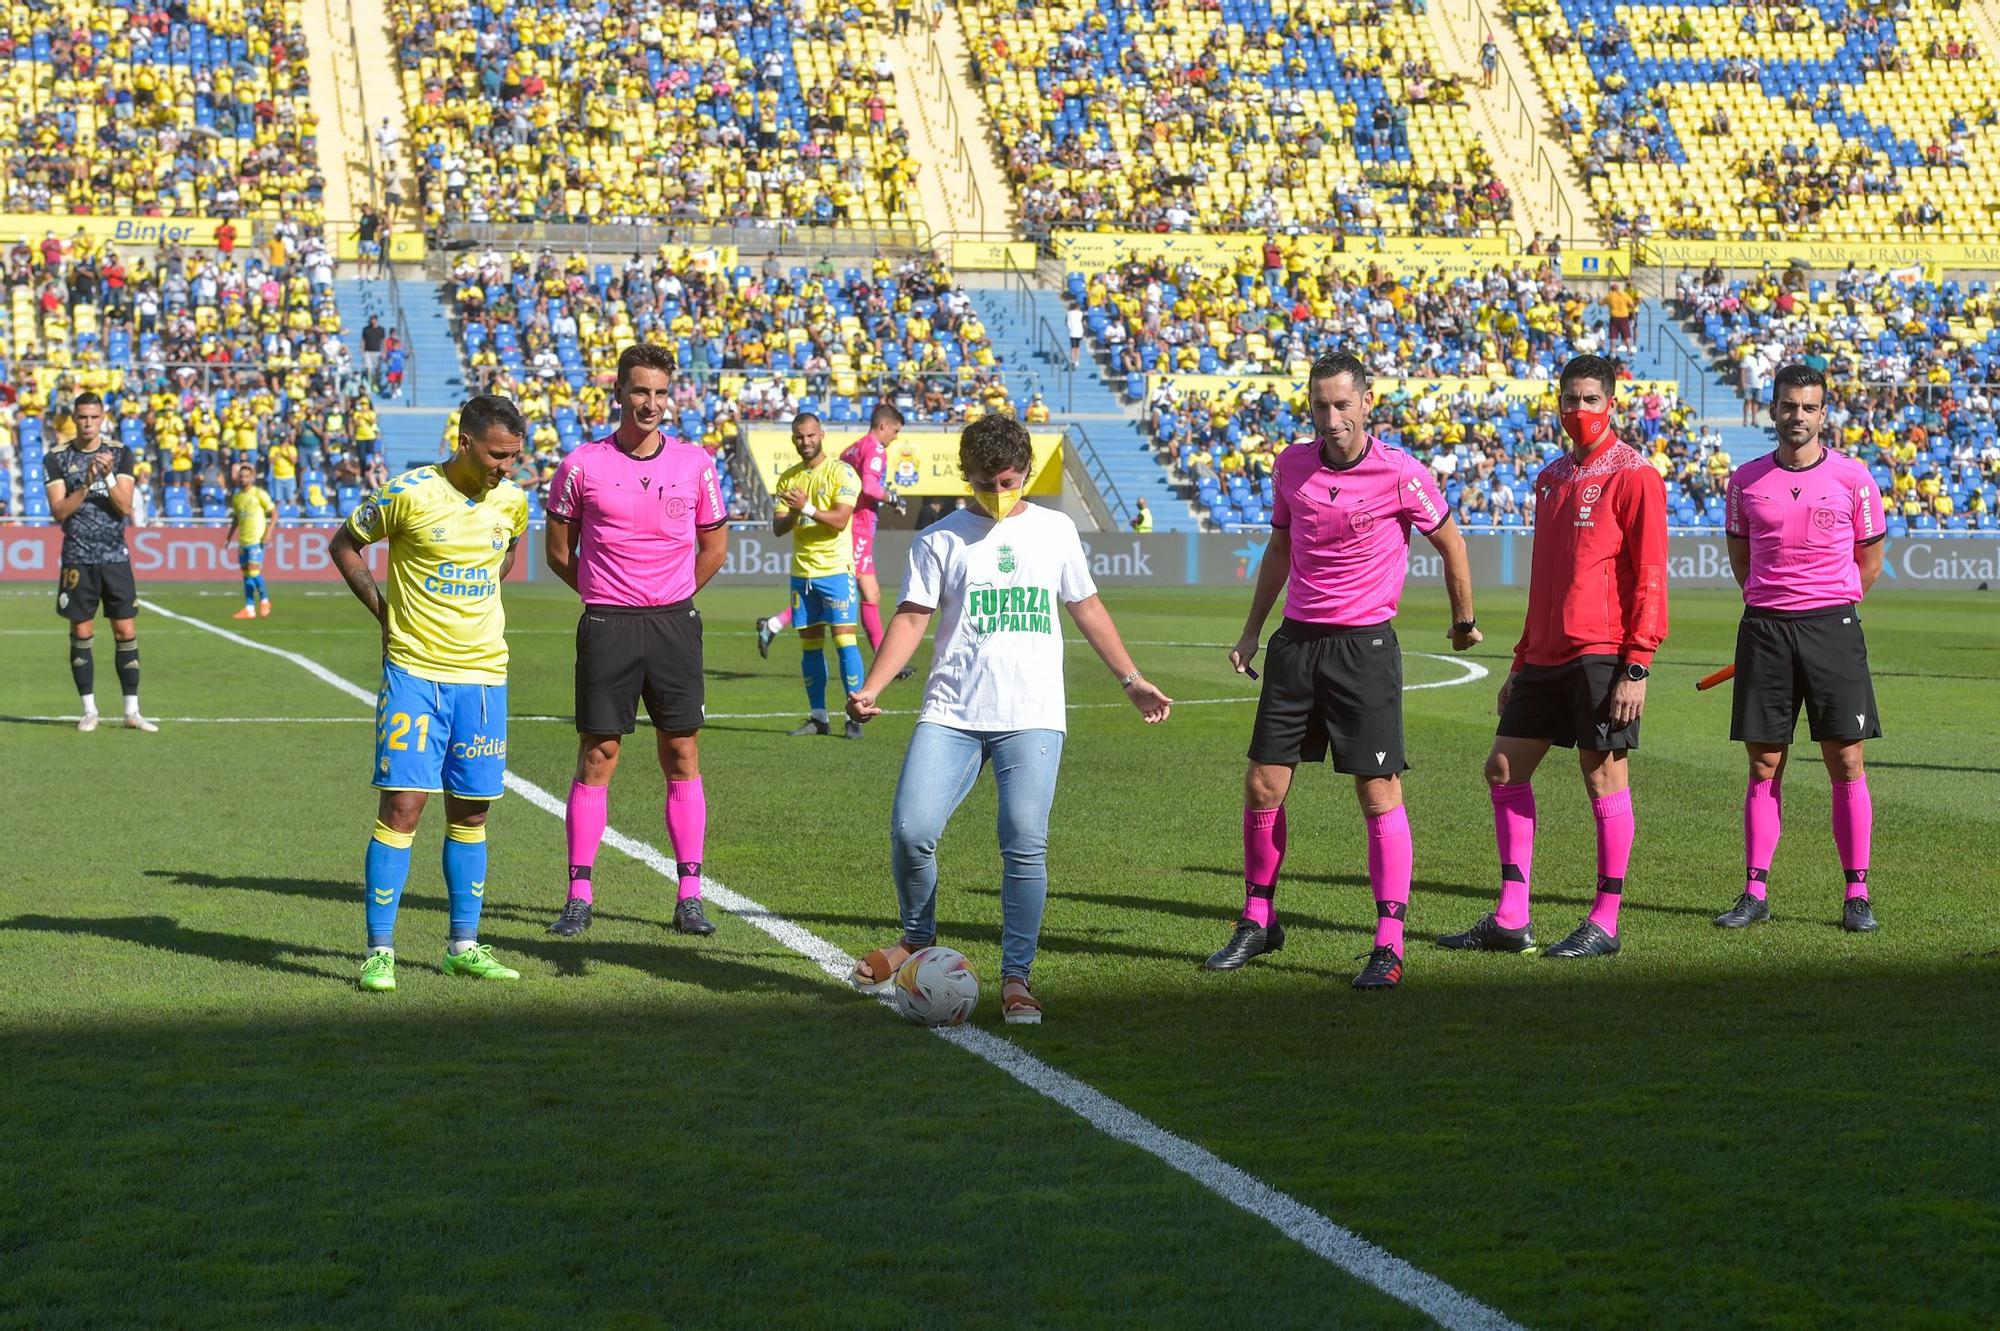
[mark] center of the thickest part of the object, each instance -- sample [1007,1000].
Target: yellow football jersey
[253,509]
[445,551]
[817,549]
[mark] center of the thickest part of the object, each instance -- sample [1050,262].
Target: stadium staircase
[1515,121]
[1115,446]
[1669,351]
[410,434]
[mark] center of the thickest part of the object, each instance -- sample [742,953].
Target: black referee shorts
[1817,659]
[1328,686]
[624,654]
[1568,705]
[82,587]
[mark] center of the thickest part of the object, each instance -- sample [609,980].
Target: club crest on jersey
[677,507]
[1006,559]
[1361,522]
[499,537]
[1824,518]
[1591,494]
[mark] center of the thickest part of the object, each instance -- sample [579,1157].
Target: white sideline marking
[1365,1261]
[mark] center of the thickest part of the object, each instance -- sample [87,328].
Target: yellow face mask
[997,503]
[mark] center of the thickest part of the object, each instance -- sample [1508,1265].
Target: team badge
[677,507]
[499,537]
[1591,493]
[1006,559]
[1824,519]
[1361,522]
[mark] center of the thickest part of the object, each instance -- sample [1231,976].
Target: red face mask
[1587,428]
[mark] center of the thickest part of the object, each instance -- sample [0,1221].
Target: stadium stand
[746,111]
[193,110]
[1149,316]
[1912,363]
[1236,115]
[753,345]
[203,358]
[1780,122]
[1483,439]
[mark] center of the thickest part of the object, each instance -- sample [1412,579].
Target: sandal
[1018,1004]
[874,973]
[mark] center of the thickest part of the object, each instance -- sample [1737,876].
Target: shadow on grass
[1421,889]
[169,935]
[350,893]
[1932,767]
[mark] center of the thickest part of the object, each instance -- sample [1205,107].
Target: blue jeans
[938,773]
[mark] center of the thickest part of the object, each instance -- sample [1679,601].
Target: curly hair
[993,444]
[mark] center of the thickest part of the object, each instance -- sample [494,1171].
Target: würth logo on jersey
[1424,498]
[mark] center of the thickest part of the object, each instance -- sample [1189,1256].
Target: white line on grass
[1365,1261]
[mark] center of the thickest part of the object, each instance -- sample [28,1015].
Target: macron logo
[1861,718]
[1382,757]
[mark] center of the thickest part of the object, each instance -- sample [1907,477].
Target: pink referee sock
[1389,859]
[687,825]
[1514,834]
[1615,830]
[1763,822]
[1853,830]
[1263,855]
[583,822]
[871,624]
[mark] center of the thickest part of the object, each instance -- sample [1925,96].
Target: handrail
[1688,365]
[1054,348]
[1118,510]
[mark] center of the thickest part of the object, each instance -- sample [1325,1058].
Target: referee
[1340,536]
[1597,611]
[90,487]
[1805,542]
[636,526]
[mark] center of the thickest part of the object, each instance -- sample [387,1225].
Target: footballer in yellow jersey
[251,517]
[815,507]
[441,715]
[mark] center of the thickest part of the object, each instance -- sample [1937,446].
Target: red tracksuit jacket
[1599,585]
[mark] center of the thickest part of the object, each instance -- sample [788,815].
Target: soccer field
[209,1125]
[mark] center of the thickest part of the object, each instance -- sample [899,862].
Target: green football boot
[378,973]
[477,961]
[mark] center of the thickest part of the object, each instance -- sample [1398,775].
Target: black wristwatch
[1635,671]
[1462,626]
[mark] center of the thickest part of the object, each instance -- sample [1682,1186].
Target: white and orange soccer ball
[935,987]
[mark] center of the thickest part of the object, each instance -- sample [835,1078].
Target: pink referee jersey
[1803,527]
[636,519]
[1350,530]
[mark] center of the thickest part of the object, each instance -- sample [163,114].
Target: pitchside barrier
[296,552]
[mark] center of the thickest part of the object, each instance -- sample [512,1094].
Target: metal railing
[961,154]
[1053,347]
[1118,513]
[1690,367]
[779,236]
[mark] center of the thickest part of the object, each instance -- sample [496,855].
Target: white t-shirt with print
[998,589]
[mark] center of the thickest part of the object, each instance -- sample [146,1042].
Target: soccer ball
[935,987]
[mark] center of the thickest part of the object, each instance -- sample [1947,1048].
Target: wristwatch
[1463,626]
[1634,671]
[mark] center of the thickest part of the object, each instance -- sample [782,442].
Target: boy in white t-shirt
[994,574]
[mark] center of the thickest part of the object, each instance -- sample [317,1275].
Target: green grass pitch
[207,1125]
